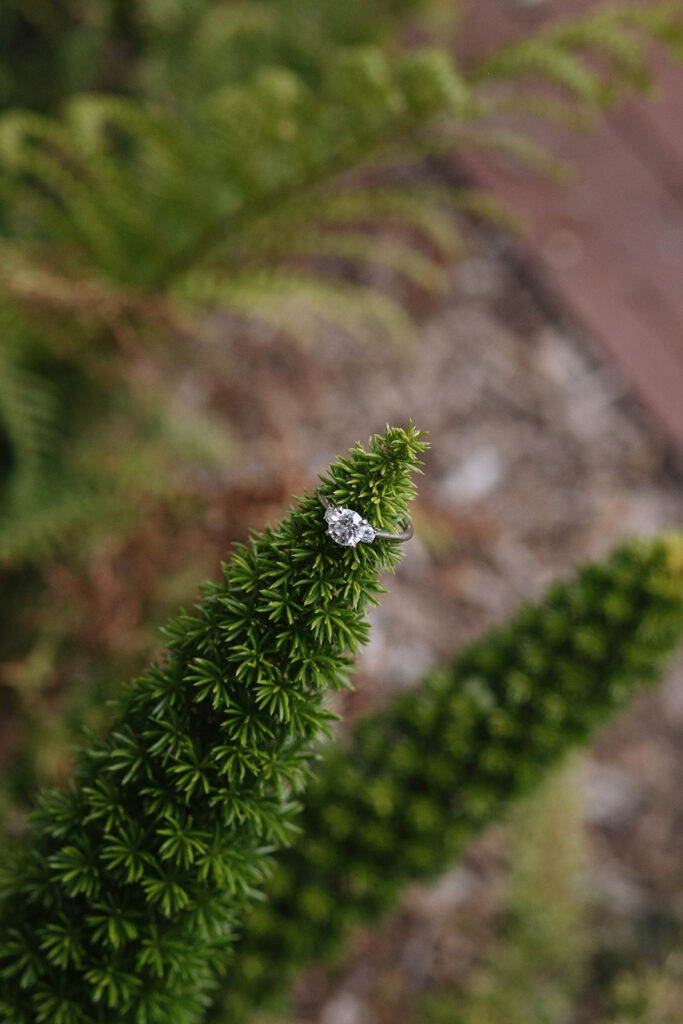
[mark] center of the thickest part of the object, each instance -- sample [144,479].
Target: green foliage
[125,902]
[26,405]
[49,49]
[98,210]
[570,69]
[238,173]
[194,47]
[242,174]
[418,779]
[648,994]
[109,182]
[534,972]
[81,448]
[618,34]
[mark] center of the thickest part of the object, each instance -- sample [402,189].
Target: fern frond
[483,206]
[564,52]
[354,244]
[117,172]
[424,212]
[210,44]
[60,479]
[519,148]
[542,106]
[395,254]
[294,303]
[27,405]
[31,530]
[542,56]
[36,173]
[418,208]
[220,194]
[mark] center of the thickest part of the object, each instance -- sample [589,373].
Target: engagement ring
[348,528]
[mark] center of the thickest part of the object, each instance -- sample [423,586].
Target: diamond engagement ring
[348,528]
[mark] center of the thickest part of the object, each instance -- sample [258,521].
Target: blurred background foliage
[541,969]
[51,50]
[298,174]
[400,798]
[537,970]
[164,160]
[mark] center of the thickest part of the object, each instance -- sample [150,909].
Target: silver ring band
[348,528]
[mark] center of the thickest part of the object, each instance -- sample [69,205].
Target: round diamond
[346,527]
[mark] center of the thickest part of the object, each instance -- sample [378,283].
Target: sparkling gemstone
[348,528]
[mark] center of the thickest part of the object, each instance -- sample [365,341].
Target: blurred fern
[619,35]
[49,49]
[244,176]
[27,406]
[201,45]
[80,450]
